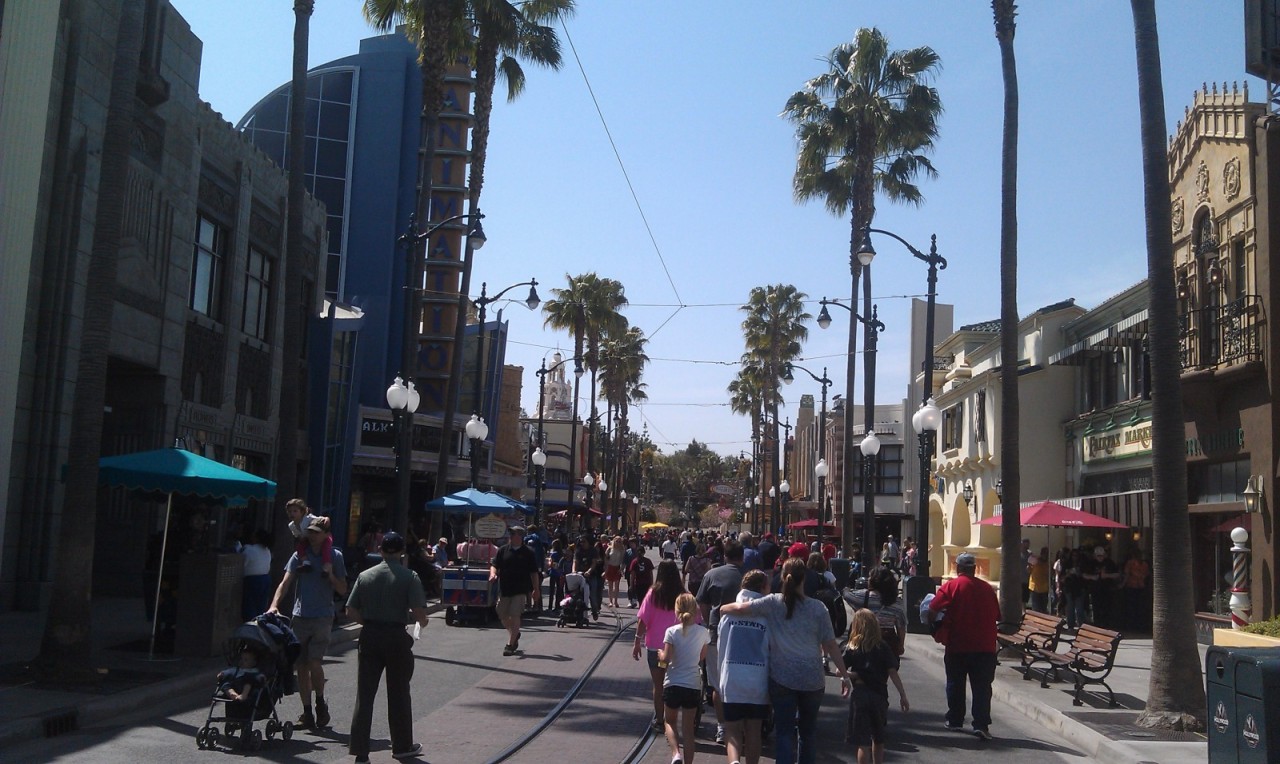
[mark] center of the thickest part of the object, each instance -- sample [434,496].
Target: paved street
[471,703]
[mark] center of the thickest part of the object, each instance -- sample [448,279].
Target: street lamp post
[870,445]
[477,386]
[409,353]
[930,417]
[820,468]
[403,399]
[542,437]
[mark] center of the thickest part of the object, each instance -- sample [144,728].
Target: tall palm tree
[1175,695]
[511,31]
[589,307]
[864,126]
[774,332]
[65,648]
[291,341]
[622,362]
[746,397]
[1011,569]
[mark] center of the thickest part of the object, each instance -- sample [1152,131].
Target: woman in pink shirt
[657,614]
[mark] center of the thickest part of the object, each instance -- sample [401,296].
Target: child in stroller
[260,658]
[574,605]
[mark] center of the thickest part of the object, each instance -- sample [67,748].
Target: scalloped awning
[176,470]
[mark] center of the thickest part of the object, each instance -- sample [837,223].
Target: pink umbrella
[1052,514]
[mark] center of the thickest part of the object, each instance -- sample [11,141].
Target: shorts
[313,637]
[511,605]
[675,696]
[737,712]
[868,716]
[612,573]
[652,657]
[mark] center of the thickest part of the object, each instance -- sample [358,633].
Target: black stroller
[260,658]
[573,608]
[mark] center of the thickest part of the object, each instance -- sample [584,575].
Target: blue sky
[691,91]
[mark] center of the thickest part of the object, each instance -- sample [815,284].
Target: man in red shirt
[972,611]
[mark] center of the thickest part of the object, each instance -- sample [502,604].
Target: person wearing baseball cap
[384,599]
[972,611]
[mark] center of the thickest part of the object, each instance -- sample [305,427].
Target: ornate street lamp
[477,431]
[409,241]
[477,387]
[935,262]
[874,327]
[403,400]
[539,460]
[926,422]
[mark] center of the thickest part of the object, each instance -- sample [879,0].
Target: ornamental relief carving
[1202,181]
[1179,216]
[1231,178]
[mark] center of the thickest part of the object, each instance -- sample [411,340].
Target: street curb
[95,711]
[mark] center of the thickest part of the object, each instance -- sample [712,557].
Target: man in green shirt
[385,598]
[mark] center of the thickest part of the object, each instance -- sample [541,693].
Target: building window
[1240,273]
[980,418]
[953,427]
[1216,483]
[257,295]
[889,471]
[206,267]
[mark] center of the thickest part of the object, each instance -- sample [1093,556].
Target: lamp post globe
[397,395]
[539,457]
[785,487]
[821,469]
[870,445]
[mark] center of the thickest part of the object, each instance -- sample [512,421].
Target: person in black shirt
[588,561]
[515,568]
[769,552]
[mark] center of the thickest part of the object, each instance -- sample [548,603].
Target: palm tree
[774,333]
[1011,569]
[622,362]
[864,125]
[65,648]
[589,308]
[1175,695]
[291,340]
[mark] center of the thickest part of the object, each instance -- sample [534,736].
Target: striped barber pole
[1241,606]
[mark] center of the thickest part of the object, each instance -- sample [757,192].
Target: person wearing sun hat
[972,613]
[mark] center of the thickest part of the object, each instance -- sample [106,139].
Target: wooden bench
[1090,657]
[1037,631]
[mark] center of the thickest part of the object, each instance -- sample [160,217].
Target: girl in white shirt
[683,647]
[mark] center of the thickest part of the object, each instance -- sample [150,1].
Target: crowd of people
[749,626]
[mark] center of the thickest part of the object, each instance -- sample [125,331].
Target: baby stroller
[574,606]
[260,658]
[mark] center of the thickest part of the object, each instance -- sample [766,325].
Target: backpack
[889,631]
[828,596]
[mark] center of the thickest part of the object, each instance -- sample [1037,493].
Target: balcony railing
[1222,335]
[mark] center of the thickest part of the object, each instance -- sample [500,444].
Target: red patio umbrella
[1050,514]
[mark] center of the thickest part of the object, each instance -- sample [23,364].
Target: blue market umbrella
[470,500]
[166,471]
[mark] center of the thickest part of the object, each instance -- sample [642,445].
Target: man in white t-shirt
[669,548]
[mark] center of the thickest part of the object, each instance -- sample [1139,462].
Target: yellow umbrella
[651,526]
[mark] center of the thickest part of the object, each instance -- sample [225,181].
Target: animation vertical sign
[444,249]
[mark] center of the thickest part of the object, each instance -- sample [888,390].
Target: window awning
[1120,333]
[1133,508]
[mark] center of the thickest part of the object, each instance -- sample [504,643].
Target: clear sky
[691,91]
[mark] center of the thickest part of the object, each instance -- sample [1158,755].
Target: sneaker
[362,760]
[306,721]
[322,714]
[408,753]
[983,734]
[509,650]
[655,724]
[595,616]
[719,734]
[953,727]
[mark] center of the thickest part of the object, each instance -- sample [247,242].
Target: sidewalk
[131,679]
[1104,734]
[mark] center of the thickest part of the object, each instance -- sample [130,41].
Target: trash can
[1220,692]
[914,590]
[210,591]
[1257,685]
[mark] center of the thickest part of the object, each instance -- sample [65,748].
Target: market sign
[1133,440]
[723,489]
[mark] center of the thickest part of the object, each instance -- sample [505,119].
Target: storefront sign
[1222,441]
[1115,444]
[490,527]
